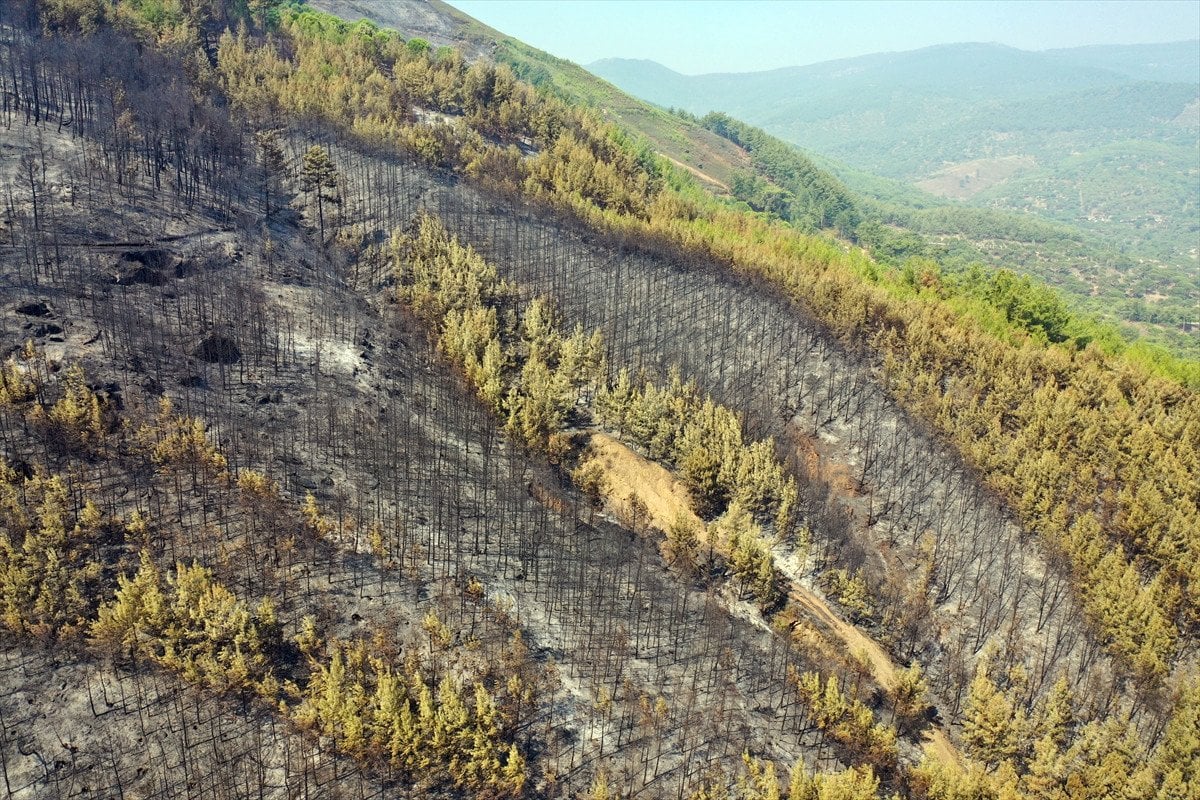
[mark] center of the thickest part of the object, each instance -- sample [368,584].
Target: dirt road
[665,498]
[704,176]
[934,739]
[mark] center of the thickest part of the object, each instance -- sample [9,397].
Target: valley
[1100,142]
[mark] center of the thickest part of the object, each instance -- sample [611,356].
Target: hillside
[1102,139]
[374,424]
[1146,296]
[906,115]
[710,158]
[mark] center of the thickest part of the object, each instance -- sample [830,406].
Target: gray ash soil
[73,729]
[329,387]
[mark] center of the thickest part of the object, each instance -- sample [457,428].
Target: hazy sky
[696,36]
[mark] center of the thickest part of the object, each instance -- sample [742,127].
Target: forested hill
[1102,139]
[377,423]
[964,71]
[1175,62]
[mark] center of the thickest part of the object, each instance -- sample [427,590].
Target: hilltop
[708,157]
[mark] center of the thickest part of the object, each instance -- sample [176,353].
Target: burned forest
[375,425]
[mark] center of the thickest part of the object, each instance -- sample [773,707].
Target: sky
[699,36]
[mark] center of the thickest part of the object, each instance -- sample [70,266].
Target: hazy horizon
[880,52]
[695,38]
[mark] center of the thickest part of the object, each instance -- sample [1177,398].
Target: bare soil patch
[629,474]
[961,181]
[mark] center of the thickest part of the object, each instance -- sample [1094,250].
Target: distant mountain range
[1106,137]
[1104,268]
[993,68]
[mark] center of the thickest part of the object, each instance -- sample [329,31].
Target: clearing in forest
[626,473]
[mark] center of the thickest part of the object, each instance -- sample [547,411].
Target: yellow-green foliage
[192,624]
[49,565]
[20,378]
[446,734]
[518,360]
[75,419]
[736,535]
[374,84]
[1048,756]
[851,592]
[437,274]
[757,780]
[705,442]
[846,720]
[178,442]
[856,783]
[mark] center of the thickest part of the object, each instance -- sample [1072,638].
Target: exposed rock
[149,267]
[46,329]
[218,349]
[109,394]
[306,481]
[36,308]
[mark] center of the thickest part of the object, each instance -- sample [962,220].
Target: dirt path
[934,740]
[704,176]
[937,745]
[855,640]
[665,497]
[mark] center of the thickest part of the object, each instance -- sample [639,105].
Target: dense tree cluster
[433,735]
[522,366]
[178,443]
[1052,429]
[1050,755]
[431,103]
[675,424]
[797,190]
[846,719]
[50,564]
[190,623]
